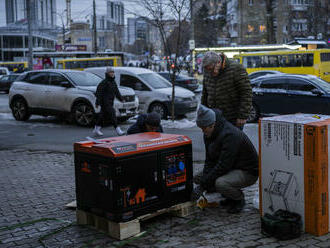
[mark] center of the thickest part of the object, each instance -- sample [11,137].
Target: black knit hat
[153,119]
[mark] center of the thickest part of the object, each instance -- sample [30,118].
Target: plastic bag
[256,199]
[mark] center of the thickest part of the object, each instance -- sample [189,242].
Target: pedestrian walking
[231,161]
[106,92]
[226,86]
[146,123]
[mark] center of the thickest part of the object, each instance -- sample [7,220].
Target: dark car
[288,94]
[6,81]
[256,74]
[189,83]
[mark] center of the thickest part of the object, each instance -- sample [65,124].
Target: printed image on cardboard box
[294,155]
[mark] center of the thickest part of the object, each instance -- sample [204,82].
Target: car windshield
[155,81]
[82,78]
[13,77]
[322,84]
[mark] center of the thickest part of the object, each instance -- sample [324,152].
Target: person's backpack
[282,225]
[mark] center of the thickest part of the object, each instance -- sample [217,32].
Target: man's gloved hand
[196,193]
[207,182]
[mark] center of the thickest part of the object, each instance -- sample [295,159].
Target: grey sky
[81,9]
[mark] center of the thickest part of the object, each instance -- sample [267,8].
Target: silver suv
[58,92]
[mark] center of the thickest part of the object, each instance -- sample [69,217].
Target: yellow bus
[83,63]
[17,67]
[314,62]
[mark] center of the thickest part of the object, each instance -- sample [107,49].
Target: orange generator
[121,178]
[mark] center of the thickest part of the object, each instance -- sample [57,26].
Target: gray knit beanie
[205,116]
[153,119]
[109,69]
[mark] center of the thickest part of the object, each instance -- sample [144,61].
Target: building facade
[137,29]
[110,27]
[14,36]
[247,21]
[43,12]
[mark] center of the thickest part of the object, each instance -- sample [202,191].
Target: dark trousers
[106,113]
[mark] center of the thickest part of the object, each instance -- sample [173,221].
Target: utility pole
[94,28]
[28,12]
[63,32]
[192,38]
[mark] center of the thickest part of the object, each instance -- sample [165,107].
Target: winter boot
[119,131]
[225,202]
[97,131]
[236,206]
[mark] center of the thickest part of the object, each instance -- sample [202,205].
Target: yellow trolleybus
[17,67]
[314,62]
[83,63]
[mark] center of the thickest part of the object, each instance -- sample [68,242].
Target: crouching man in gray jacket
[231,160]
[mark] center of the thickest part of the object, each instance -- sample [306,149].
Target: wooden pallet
[124,230]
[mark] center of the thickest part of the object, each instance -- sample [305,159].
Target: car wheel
[83,114]
[254,113]
[20,109]
[160,109]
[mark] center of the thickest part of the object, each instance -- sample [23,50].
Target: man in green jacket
[226,86]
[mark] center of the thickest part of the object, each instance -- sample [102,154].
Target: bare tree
[317,16]
[270,5]
[159,12]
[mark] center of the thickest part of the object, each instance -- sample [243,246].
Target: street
[52,134]
[37,181]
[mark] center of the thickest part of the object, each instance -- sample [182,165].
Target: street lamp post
[28,10]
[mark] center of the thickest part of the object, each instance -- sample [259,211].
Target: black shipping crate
[121,178]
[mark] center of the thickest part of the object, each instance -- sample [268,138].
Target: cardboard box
[294,171]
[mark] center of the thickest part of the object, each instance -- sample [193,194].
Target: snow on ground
[33,122]
[178,124]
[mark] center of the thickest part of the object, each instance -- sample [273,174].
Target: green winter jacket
[230,91]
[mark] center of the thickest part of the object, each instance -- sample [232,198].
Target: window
[325,57]
[250,2]
[57,79]
[13,77]
[82,78]
[4,78]
[166,76]
[109,62]
[308,59]
[296,60]
[252,61]
[298,84]
[269,61]
[132,82]
[155,80]
[38,78]
[274,84]
[69,65]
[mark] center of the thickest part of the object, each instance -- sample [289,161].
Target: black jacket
[106,92]
[140,127]
[228,149]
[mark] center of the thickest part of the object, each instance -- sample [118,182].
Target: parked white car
[154,91]
[4,71]
[58,92]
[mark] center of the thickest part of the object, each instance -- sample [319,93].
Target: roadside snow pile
[179,124]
